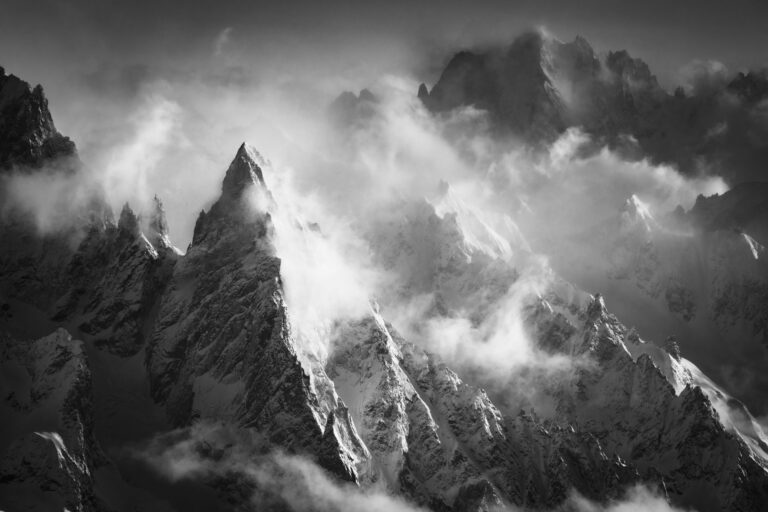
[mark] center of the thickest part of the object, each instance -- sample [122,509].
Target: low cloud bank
[242,465]
[637,499]
[239,464]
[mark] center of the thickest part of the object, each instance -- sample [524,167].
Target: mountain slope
[699,275]
[643,405]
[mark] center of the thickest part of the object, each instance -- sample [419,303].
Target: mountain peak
[158,226]
[596,308]
[129,221]
[243,172]
[157,222]
[350,108]
[28,137]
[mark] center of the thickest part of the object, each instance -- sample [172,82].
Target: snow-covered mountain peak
[635,212]
[244,171]
[157,226]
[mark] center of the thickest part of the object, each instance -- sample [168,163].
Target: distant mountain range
[537,87]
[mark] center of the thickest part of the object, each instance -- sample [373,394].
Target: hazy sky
[41,38]
[221,72]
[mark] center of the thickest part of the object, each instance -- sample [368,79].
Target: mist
[264,477]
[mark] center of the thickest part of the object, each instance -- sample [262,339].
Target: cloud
[242,464]
[636,499]
[222,41]
[325,268]
[264,477]
[119,171]
[573,192]
[704,77]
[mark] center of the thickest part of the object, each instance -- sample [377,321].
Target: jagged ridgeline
[538,87]
[28,137]
[112,340]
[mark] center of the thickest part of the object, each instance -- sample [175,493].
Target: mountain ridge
[210,335]
[537,87]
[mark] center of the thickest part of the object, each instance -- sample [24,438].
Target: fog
[207,452]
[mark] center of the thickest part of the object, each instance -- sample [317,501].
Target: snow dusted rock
[157,229]
[698,275]
[222,348]
[628,412]
[28,137]
[48,449]
[631,405]
[444,251]
[105,284]
[734,228]
[408,450]
[444,443]
[528,462]
[117,277]
[642,252]
[101,278]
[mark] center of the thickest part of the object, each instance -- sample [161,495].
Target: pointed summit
[423,93]
[129,222]
[243,172]
[157,221]
[596,308]
[233,205]
[158,226]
